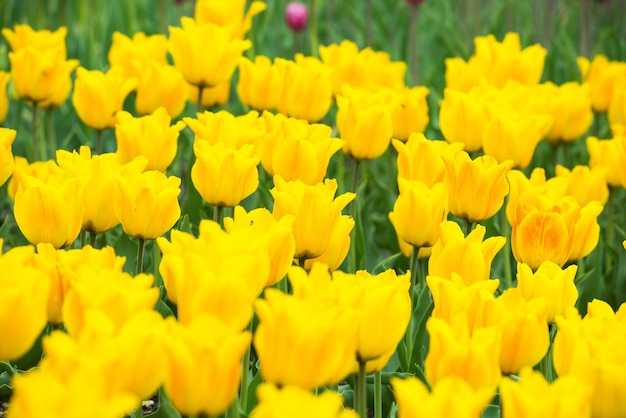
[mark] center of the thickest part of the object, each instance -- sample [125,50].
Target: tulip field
[325,208]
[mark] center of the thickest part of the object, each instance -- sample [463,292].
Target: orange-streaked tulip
[228,14]
[7,136]
[149,136]
[316,211]
[146,204]
[410,114]
[470,257]
[467,178]
[259,85]
[187,45]
[418,211]
[99,96]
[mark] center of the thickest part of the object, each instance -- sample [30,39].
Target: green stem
[98,141]
[362,388]
[414,268]
[92,239]
[51,131]
[414,8]
[83,238]
[378,395]
[354,213]
[313,29]
[218,214]
[199,107]
[139,411]
[469,225]
[142,243]
[158,281]
[243,393]
[233,411]
[368,22]
[35,127]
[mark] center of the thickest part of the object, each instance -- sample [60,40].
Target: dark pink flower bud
[296,15]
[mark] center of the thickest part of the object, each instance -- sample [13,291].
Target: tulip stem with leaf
[361,387]
[415,283]
[199,105]
[98,141]
[243,397]
[218,214]
[469,225]
[378,395]
[140,250]
[92,239]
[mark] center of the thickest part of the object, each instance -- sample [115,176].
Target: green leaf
[5,384]
[162,308]
[491,411]
[252,385]
[165,409]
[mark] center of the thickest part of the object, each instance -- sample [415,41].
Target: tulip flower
[24,36]
[617,108]
[296,15]
[450,397]
[187,45]
[204,367]
[258,85]
[532,396]
[608,154]
[134,54]
[586,231]
[585,184]
[226,128]
[211,96]
[293,401]
[338,245]
[364,121]
[49,212]
[4,98]
[228,14]
[316,211]
[149,136]
[42,170]
[222,175]
[463,118]
[23,296]
[304,342]
[470,256]
[467,178]
[550,282]
[172,93]
[306,77]
[410,113]
[418,211]
[146,204]
[7,136]
[603,77]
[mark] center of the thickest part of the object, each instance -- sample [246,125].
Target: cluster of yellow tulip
[269,281]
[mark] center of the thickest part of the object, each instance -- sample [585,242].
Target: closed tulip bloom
[23,302]
[410,114]
[211,96]
[204,365]
[550,282]
[463,118]
[306,77]
[304,342]
[525,335]
[293,401]
[149,136]
[228,14]
[273,236]
[172,92]
[227,128]
[315,209]
[42,170]
[585,184]
[451,397]
[470,256]
[608,153]
[338,245]
[586,231]
[259,84]
[418,211]
[420,158]
[132,55]
[187,45]
[4,98]
[24,36]
[364,121]
[467,178]
[7,136]
[49,212]
[509,136]
[603,77]
[617,108]
[146,204]
[542,234]
[222,175]
[454,352]
[532,396]
[99,96]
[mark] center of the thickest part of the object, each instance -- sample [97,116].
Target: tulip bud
[296,15]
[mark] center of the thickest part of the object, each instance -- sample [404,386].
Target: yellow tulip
[533,396]
[7,136]
[187,45]
[42,170]
[4,98]
[603,77]
[542,234]
[172,93]
[585,184]
[610,155]
[259,85]
[204,367]
[273,236]
[24,36]
[316,211]
[231,13]
[304,77]
[467,178]
[133,54]
[99,96]
[451,397]
[454,352]
[23,302]
[418,211]
[463,118]
[49,212]
[550,282]
[146,204]
[292,401]
[338,245]
[410,114]
[305,342]
[222,175]
[149,136]
[224,127]
[586,231]
[364,121]
[617,108]
[470,257]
